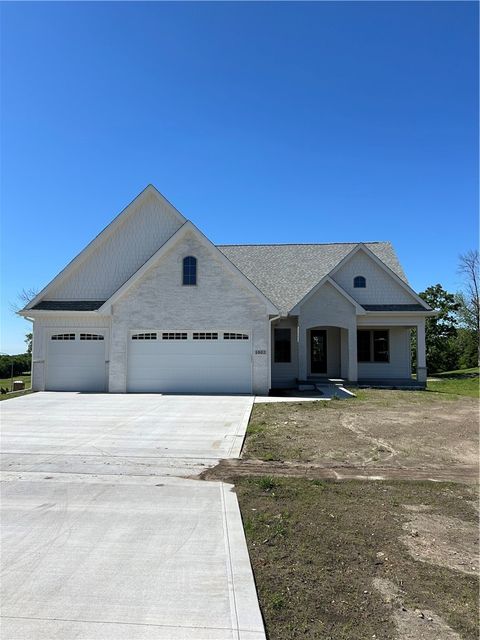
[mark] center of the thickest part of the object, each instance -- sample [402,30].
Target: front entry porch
[373,352]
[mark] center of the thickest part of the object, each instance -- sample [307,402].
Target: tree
[469,300]
[23,298]
[441,329]
[28,342]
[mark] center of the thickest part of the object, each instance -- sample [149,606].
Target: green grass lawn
[324,552]
[6,382]
[474,371]
[463,382]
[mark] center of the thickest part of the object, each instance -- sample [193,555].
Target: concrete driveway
[103,540]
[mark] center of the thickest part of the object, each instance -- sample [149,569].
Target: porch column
[302,352]
[352,354]
[421,359]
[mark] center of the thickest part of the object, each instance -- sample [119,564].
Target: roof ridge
[301,244]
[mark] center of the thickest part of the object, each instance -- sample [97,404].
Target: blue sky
[261,122]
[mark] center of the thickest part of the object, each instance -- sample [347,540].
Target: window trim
[359,282]
[189,284]
[371,333]
[289,361]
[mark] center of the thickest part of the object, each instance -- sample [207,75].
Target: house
[151,305]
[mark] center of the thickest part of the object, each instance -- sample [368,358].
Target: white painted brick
[160,301]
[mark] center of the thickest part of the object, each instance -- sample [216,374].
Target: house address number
[260,352]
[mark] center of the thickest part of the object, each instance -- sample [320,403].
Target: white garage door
[190,362]
[76,362]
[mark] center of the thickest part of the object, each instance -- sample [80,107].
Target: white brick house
[152,305]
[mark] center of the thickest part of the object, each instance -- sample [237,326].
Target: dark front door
[318,351]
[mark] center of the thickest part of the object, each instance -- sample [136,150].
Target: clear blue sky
[261,122]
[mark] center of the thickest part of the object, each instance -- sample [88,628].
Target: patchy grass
[6,382]
[379,427]
[16,394]
[464,382]
[317,548]
[474,371]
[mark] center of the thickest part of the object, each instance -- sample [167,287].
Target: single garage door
[190,362]
[76,362]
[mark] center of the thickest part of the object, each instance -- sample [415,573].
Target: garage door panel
[76,365]
[194,366]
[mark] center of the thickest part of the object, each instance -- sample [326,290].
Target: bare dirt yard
[395,559]
[395,429]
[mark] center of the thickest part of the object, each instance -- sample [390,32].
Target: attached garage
[176,361]
[76,361]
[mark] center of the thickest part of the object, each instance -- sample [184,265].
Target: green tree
[441,329]
[468,300]
[28,342]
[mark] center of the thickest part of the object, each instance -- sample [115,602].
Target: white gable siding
[381,287]
[119,256]
[218,302]
[327,307]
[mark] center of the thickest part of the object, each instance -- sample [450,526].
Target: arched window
[359,282]
[189,270]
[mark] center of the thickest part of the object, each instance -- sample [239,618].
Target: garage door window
[205,336]
[91,336]
[144,336]
[174,336]
[235,336]
[63,336]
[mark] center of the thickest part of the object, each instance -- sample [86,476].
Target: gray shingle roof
[287,272]
[393,307]
[69,305]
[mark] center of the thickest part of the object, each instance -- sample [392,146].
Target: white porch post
[352,354]
[421,358]
[302,352]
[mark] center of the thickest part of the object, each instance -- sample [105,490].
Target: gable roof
[286,273]
[187,227]
[106,233]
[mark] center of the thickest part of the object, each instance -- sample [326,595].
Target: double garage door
[189,362]
[157,361]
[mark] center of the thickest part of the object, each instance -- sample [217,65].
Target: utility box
[18,385]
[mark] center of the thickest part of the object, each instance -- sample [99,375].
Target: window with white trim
[144,336]
[91,336]
[63,336]
[235,336]
[172,335]
[207,335]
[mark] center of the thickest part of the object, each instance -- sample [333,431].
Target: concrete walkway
[102,541]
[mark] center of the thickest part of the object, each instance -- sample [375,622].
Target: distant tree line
[21,364]
[453,337]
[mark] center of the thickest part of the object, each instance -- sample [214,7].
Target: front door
[318,351]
